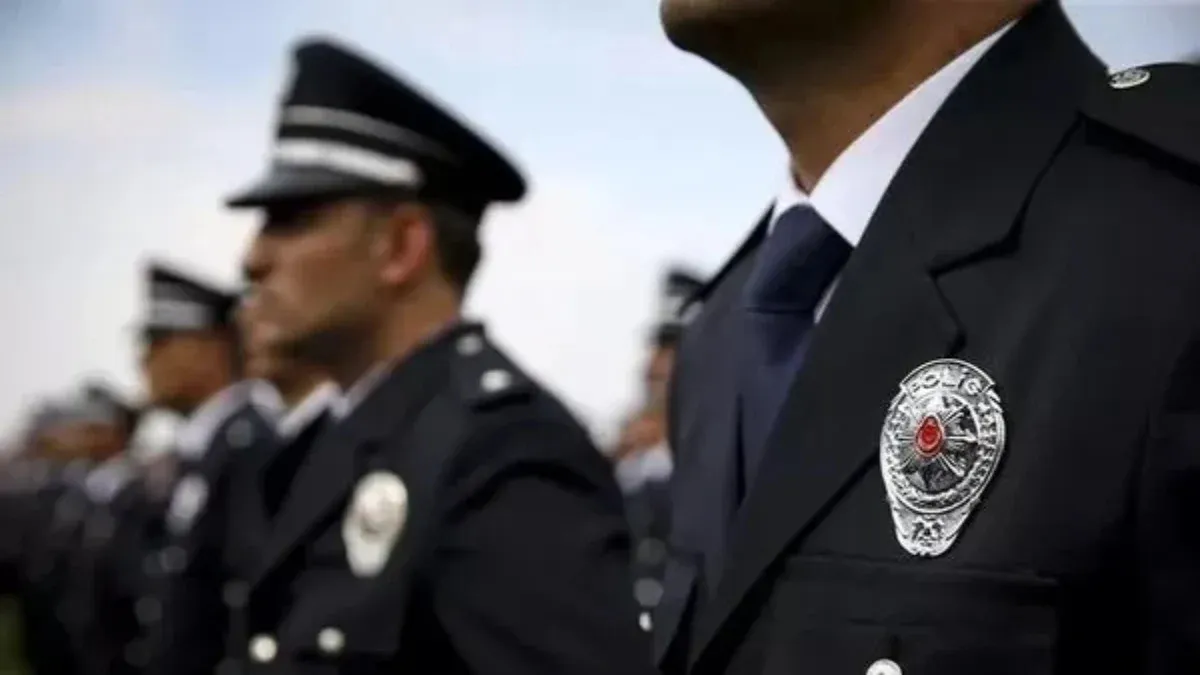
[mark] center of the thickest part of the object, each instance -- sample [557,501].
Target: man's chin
[691,24]
[723,32]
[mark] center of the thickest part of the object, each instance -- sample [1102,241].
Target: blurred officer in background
[29,496]
[295,398]
[193,367]
[101,619]
[83,432]
[644,461]
[456,518]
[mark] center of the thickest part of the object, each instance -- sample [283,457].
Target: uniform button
[470,344]
[263,648]
[885,667]
[173,559]
[147,610]
[648,592]
[645,621]
[495,380]
[234,593]
[240,434]
[331,640]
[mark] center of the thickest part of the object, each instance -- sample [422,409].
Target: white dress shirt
[296,420]
[342,404]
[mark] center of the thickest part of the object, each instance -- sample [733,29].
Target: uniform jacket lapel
[955,201]
[325,480]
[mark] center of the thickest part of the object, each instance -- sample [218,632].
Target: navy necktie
[796,264]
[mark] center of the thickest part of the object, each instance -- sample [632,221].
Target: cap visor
[288,185]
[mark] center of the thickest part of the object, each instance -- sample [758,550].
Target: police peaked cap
[348,128]
[178,302]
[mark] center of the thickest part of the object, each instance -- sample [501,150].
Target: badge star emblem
[942,441]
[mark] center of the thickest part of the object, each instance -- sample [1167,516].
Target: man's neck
[293,390]
[393,342]
[820,105]
[204,395]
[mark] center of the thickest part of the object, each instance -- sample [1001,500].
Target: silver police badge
[374,521]
[186,503]
[942,441]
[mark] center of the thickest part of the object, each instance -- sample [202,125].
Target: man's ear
[403,243]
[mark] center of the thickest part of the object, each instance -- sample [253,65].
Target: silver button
[885,667]
[234,593]
[496,380]
[1128,79]
[646,623]
[470,344]
[331,640]
[263,648]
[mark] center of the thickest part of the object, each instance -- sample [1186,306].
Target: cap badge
[942,441]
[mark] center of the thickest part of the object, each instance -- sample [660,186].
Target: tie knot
[796,263]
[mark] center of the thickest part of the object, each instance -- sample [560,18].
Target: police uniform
[101,621]
[183,616]
[987,463]
[258,488]
[456,518]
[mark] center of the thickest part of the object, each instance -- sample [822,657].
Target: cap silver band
[345,120]
[348,159]
[178,315]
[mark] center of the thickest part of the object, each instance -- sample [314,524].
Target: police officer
[955,363]
[82,431]
[455,518]
[101,615]
[302,395]
[31,556]
[193,366]
[644,461]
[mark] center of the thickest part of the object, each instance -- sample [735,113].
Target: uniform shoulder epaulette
[1158,105]
[484,376]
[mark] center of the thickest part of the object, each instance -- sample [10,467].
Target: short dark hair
[458,249]
[456,231]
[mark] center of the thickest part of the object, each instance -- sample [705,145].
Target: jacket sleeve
[532,567]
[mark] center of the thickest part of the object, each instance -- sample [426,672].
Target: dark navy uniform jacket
[458,520]
[1046,230]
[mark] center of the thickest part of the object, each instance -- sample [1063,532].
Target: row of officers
[363,482]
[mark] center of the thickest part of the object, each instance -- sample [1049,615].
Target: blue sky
[123,122]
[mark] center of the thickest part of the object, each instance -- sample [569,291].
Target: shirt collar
[196,434]
[342,404]
[848,193]
[304,413]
